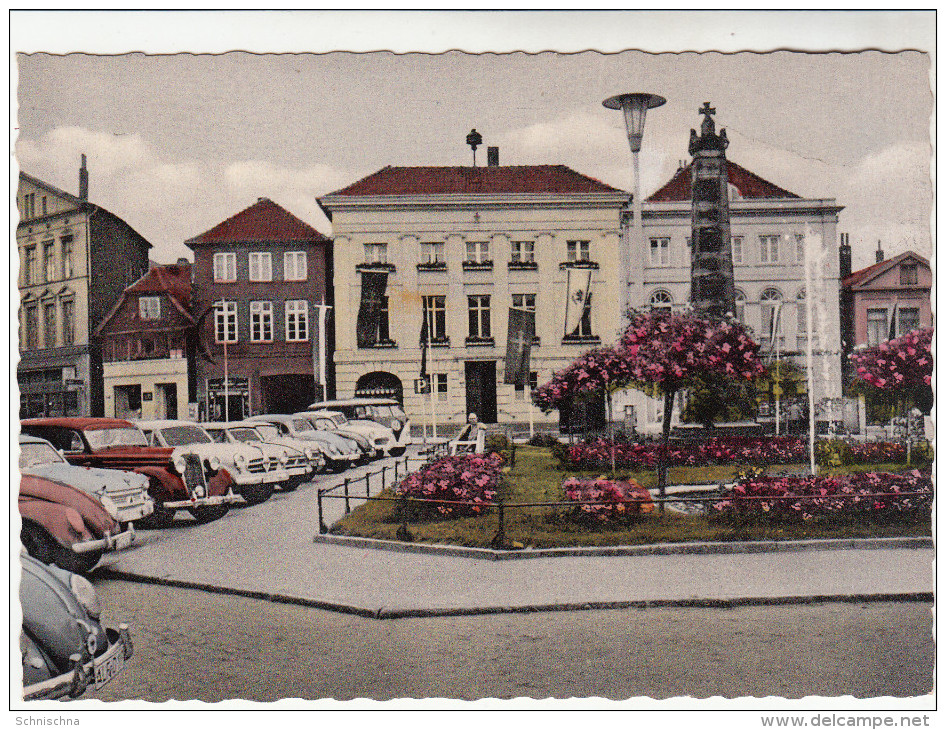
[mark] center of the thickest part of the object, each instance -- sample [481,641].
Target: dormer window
[149,307]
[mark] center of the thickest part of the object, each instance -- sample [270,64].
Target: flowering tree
[600,370]
[902,367]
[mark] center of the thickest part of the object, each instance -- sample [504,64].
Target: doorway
[481,390]
[165,401]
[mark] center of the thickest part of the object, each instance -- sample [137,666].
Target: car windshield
[339,419]
[38,454]
[185,435]
[217,434]
[244,435]
[325,424]
[102,438]
[302,424]
[267,431]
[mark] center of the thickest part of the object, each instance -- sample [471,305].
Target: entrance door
[166,405]
[481,390]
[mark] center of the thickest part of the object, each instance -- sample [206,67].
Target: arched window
[661,299]
[741,305]
[769,299]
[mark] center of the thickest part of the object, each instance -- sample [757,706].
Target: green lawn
[537,478]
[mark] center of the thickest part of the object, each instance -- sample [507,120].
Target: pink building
[890,297]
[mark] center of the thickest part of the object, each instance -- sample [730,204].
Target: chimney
[83,181]
[880,253]
[844,255]
[492,156]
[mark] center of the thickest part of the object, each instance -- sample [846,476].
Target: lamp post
[635,108]
[221,309]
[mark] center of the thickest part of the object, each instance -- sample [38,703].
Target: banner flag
[519,347]
[775,324]
[424,343]
[373,286]
[578,298]
[892,332]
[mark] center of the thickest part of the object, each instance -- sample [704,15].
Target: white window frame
[523,252]
[49,259]
[660,251]
[297,320]
[376,253]
[661,299]
[261,319]
[432,252]
[225,266]
[477,252]
[149,307]
[226,322]
[578,250]
[737,249]
[66,248]
[479,308]
[261,266]
[438,382]
[432,305]
[295,266]
[768,245]
[879,334]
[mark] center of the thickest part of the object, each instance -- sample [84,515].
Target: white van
[386,411]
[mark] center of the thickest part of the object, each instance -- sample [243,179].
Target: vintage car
[63,646]
[386,411]
[339,452]
[316,451]
[298,463]
[178,478]
[69,529]
[380,438]
[255,474]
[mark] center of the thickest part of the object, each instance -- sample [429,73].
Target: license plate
[109,668]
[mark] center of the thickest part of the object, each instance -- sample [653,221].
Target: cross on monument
[708,127]
[707,109]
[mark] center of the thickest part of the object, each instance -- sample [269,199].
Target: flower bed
[808,497]
[623,498]
[597,454]
[472,478]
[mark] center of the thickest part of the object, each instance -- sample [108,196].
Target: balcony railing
[579,265]
[432,266]
[477,265]
[480,342]
[375,266]
[581,340]
[379,345]
[523,266]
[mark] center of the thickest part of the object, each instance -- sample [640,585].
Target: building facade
[76,258]
[460,246]
[149,346]
[260,278]
[770,229]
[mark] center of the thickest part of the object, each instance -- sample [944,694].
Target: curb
[683,548]
[396,613]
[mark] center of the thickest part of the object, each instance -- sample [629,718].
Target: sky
[177,143]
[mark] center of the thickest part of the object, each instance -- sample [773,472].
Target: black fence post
[403,533]
[499,539]
[347,502]
[322,526]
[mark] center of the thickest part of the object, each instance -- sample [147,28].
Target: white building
[465,244]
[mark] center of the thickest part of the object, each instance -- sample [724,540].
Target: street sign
[422,385]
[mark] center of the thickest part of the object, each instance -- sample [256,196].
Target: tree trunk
[662,468]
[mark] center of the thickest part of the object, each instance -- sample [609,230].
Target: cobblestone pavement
[195,645]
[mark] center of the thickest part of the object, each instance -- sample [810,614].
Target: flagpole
[778,373]
[433,410]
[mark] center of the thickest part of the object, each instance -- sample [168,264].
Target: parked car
[316,451]
[340,453]
[386,411]
[178,478]
[63,646]
[254,475]
[296,463]
[71,516]
[380,438]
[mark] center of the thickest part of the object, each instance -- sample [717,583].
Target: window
[477,252]
[661,299]
[49,324]
[31,326]
[66,257]
[801,315]
[770,299]
[908,274]
[224,267]
[43,204]
[799,248]
[432,253]
[439,385]
[376,253]
[524,301]
[226,321]
[29,205]
[659,251]
[523,252]
[435,311]
[297,320]
[479,316]
[295,266]
[68,322]
[578,250]
[737,249]
[908,319]
[29,265]
[49,261]
[533,384]
[741,306]
[261,266]
[769,249]
[876,326]
[261,321]
[149,307]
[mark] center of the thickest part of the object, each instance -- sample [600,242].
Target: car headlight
[179,464]
[396,424]
[284,458]
[309,454]
[240,460]
[198,491]
[213,463]
[85,595]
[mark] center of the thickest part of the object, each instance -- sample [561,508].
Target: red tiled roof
[262,221]
[862,275]
[174,279]
[747,183]
[509,179]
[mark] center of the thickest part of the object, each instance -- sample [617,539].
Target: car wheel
[41,545]
[159,519]
[336,467]
[256,493]
[290,485]
[210,513]
[398,451]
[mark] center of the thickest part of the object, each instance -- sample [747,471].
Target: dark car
[178,478]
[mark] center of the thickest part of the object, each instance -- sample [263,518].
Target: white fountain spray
[814,258]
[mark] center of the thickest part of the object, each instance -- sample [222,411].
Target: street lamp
[635,108]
